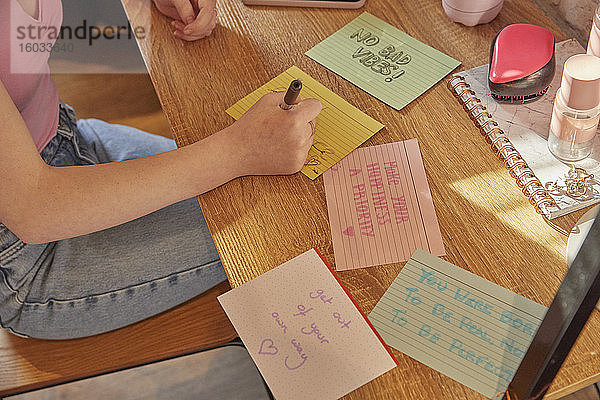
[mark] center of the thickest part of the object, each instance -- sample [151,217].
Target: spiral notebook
[518,134]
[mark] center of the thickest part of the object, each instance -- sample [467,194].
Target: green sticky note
[382,60]
[458,323]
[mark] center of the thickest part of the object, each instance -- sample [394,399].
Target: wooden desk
[259,222]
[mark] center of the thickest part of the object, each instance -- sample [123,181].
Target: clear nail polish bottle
[576,110]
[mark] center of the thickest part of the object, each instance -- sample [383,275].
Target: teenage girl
[99,224]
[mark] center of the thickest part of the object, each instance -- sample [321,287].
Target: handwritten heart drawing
[269,349]
[349,231]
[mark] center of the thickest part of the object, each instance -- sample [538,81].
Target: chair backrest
[200,323]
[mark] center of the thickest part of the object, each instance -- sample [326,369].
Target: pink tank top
[33,92]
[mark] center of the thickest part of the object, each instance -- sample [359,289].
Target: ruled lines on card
[458,323]
[382,60]
[380,207]
[339,128]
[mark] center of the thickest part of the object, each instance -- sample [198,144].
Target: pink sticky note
[380,207]
[305,333]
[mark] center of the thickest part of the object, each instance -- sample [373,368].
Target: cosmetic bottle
[470,12]
[594,42]
[576,110]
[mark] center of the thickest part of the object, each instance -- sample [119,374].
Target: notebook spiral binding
[529,184]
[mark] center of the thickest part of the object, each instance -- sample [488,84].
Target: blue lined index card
[457,323]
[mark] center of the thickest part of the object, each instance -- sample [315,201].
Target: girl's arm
[41,204]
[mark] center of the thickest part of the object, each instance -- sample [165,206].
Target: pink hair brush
[522,63]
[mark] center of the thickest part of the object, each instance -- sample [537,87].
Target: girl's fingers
[204,20]
[190,38]
[178,25]
[184,9]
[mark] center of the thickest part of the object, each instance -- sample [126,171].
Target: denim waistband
[67,121]
[67,125]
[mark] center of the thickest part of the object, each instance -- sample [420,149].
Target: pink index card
[304,332]
[380,207]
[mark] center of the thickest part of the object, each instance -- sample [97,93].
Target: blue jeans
[109,279]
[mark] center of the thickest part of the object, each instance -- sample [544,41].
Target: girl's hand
[193,19]
[272,141]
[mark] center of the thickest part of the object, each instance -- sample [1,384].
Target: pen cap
[292,93]
[594,42]
[580,86]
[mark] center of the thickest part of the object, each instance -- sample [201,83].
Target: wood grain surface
[487,225]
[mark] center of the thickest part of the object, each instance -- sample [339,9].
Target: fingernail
[187,30]
[189,20]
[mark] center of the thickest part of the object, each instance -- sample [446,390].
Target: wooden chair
[27,364]
[127,99]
